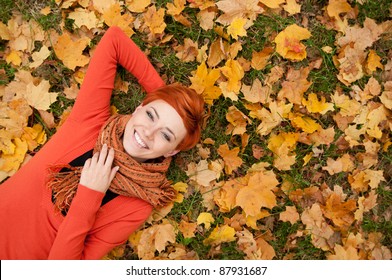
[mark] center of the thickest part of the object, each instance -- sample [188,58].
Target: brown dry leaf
[386,96]
[343,164]
[187,229]
[232,9]
[316,225]
[201,173]
[295,85]
[343,253]
[256,93]
[347,106]
[341,213]
[71,52]
[288,42]
[238,121]
[290,215]
[230,157]
[225,197]
[206,19]
[155,238]
[188,52]
[14,116]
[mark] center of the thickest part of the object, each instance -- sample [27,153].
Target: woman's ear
[172,153]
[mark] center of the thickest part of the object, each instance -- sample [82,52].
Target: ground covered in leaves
[295,159]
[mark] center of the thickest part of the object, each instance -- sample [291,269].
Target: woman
[95,182]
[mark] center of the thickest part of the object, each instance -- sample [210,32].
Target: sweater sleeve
[114,48]
[74,239]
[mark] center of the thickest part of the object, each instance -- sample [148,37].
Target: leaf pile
[297,133]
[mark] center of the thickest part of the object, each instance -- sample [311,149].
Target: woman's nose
[149,132]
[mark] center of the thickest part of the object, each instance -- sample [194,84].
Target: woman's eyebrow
[156,113]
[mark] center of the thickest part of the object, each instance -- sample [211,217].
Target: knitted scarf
[146,181]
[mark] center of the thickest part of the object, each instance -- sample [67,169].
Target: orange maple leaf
[288,43]
[230,157]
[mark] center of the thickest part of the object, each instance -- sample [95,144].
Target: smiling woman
[99,177]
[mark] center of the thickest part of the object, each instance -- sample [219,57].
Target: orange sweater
[29,226]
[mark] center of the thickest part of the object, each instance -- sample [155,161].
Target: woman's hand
[97,172]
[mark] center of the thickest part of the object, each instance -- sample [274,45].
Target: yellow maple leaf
[273,118]
[373,62]
[14,58]
[282,145]
[314,105]
[34,136]
[292,7]
[39,57]
[12,162]
[305,123]
[113,17]
[220,235]
[137,6]
[39,96]
[71,52]
[206,219]
[347,106]
[258,193]
[288,43]
[230,157]
[234,73]
[203,82]
[154,20]
[83,17]
[260,59]
[337,7]
[273,4]
[236,28]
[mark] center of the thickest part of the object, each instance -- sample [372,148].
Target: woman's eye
[167,137]
[150,115]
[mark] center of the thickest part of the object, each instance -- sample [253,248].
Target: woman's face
[154,130]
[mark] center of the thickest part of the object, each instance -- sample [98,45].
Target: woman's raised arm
[115,48]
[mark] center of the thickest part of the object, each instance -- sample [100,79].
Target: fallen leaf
[219,235]
[288,43]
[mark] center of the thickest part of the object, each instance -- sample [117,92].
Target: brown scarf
[146,181]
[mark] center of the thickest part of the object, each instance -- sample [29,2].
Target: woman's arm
[114,48]
[74,239]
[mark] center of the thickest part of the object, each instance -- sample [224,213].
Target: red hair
[188,104]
